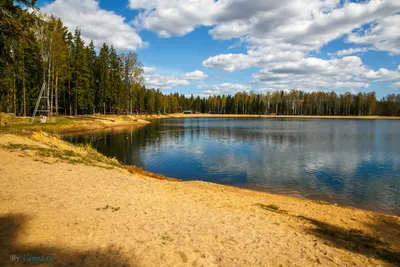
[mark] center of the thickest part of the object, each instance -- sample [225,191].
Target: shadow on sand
[357,241]
[12,225]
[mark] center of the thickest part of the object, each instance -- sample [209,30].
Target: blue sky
[207,47]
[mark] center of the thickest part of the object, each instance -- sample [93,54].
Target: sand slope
[91,216]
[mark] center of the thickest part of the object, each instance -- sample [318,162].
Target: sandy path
[90,216]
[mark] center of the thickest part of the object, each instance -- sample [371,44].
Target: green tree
[80,75]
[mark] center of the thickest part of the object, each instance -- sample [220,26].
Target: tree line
[37,49]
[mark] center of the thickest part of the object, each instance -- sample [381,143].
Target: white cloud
[194,75]
[163,82]
[312,23]
[230,62]
[142,4]
[95,23]
[270,90]
[395,85]
[279,36]
[197,95]
[317,74]
[383,35]
[254,58]
[381,75]
[172,18]
[224,88]
[351,51]
[148,69]
[156,80]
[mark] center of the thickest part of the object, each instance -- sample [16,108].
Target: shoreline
[110,122]
[80,207]
[179,115]
[145,120]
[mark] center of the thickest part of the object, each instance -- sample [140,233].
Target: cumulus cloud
[351,51]
[147,69]
[173,18]
[395,86]
[314,73]
[95,23]
[194,75]
[224,88]
[279,36]
[254,58]
[381,75]
[156,80]
[142,4]
[312,23]
[383,35]
[230,62]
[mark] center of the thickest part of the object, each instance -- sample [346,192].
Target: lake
[344,161]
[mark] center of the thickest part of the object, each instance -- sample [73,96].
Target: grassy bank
[62,124]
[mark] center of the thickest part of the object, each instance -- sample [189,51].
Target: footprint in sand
[183,256]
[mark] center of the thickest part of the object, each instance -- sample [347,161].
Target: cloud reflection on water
[349,162]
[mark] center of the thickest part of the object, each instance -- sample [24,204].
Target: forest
[82,79]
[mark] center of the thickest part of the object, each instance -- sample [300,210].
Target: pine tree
[92,60]
[80,75]
[103,78]
[115,80]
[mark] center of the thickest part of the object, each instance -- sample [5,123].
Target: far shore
[181,115]
[80,123]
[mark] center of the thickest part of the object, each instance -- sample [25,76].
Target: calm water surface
[349,162]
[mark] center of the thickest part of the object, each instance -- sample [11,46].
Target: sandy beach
[74,207]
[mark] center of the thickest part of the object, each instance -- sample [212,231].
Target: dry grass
[322,202]
[49,148]
[140,171]
[20,125]
[271,207]
[44,146]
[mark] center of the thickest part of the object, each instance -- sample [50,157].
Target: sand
[81,215]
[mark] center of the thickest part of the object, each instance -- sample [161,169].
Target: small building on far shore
[188,112]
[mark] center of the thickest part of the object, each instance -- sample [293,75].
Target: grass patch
[93,156]
[16,146]
[21,125]
[271,207]
[128,118]
[356,231]
[51,146]
[321,202]
[84,155]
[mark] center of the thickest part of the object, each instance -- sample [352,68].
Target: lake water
[348,162]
